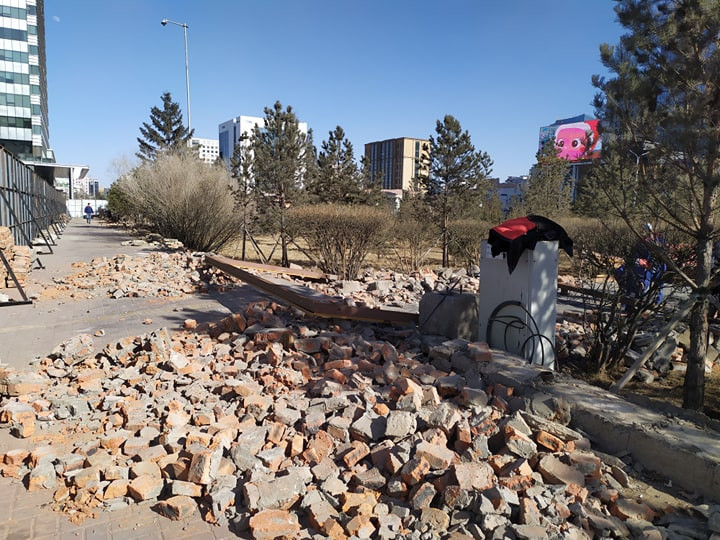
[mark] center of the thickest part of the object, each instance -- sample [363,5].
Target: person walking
[89,213]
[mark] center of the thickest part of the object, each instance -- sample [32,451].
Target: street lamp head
[164,22]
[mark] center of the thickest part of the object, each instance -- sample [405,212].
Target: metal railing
[30,207]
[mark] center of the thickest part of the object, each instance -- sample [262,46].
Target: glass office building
[24,127]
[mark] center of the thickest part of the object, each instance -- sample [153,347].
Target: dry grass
[298,254]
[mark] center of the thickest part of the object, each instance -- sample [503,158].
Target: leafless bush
[413,233]
[184,198]
[598,246]
[411,242]
[466,238]
[341,236]
[613,315]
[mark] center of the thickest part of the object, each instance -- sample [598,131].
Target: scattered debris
[284,425]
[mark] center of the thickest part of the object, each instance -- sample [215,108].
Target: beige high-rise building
[396,161]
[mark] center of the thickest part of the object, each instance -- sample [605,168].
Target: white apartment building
[229,133]
[511,190]
[208,149]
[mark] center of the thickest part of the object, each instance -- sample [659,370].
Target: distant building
[229,133]
[577,140]
[94,188]
[511,190]
[396,161]
[208,149]
[24,127]
[84,186]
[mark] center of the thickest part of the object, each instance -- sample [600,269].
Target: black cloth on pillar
[516,235]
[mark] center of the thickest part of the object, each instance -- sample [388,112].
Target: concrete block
[450,315]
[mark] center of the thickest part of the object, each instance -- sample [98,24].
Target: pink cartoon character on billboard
[577,140]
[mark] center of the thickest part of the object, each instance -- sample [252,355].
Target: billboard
[576,139]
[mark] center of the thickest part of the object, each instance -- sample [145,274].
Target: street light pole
[184,26]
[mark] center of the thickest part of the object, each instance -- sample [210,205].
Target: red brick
[549,441]
[271,524]
[529,512]
[145,487]
[352,501]
[177,508]
[438,456]
[474,475]
[16,456]
[358,451]
[414,471]
[628,509]
[360,526]
[116,488]
[555,471]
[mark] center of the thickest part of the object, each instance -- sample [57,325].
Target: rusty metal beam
[297,272]
[307,299]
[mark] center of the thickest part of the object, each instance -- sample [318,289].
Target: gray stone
[661,360]
[275,493]
[450,314]
[400,424]
[445,416]
[74,350]
[369,427]
[350,286]
[252,438]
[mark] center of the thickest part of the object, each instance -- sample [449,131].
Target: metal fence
[29,206]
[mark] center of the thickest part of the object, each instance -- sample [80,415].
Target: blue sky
[379,68]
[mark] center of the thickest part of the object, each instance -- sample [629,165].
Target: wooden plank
[310,300]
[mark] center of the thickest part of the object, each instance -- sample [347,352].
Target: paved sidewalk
[31,331]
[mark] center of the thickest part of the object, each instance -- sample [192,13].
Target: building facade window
[12,33]
[224,144]
[17,100]
[14,12]
[13,121]
[14,78]
[14,56]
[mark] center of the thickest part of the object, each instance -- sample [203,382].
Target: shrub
[598,246]
[341,236]
[413,233]
[181,197]
[612,318]
[466,238]
[411,242]
[118,207]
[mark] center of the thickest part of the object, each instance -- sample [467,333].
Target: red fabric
[514,228]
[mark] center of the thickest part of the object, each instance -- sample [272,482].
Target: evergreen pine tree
[452,173]
[338,179]
[279,165]
[548,191]
[165,132]
[662,101]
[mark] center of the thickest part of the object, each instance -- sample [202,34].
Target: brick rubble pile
[19,258]
[297,428]
[155,274]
